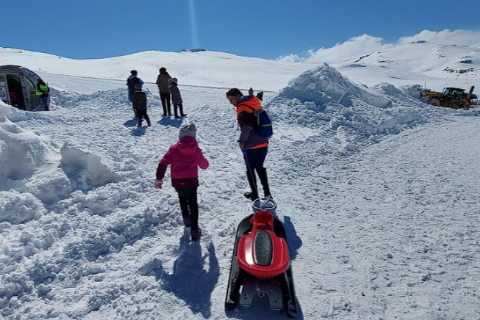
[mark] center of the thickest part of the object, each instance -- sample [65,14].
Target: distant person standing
[131,82]
[176,98]
[139,102]
[164,89]
[43,91]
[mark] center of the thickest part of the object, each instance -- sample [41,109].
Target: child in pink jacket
[185,157]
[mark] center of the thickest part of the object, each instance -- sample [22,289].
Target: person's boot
[196,234]
[252,181]
[164,107]
[181,111]
[262,175]
[176,114]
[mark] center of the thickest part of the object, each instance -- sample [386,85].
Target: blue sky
[266,29]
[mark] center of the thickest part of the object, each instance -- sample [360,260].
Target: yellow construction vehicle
[455,98]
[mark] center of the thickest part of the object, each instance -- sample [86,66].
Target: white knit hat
[188,129]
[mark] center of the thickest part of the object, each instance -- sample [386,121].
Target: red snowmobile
[261,262]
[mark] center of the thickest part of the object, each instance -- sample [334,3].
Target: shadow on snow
[189,280]
[168,121]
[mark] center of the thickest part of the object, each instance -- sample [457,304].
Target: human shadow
[138,131]
[189,280]
[170,121]
[131,123]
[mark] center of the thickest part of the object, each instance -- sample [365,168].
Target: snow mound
[324,86]
[21,152]
[333,116]
[323,100]
[4,110]
[87,168]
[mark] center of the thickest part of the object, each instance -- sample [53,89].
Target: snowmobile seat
[262,253]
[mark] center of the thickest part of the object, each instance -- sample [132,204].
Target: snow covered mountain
[436,63]
[377,190]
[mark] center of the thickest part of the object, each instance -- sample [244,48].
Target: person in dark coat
[164,90]
[131,82]
[176,98]
[139,102]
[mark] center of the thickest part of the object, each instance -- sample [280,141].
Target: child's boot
[196,234]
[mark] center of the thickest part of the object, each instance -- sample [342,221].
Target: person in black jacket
[176,98]
[139,101]
[132,81]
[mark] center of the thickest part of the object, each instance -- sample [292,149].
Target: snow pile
[36,174]
[343,117]
[93,171]
[22,151]
[4,111]
[324,86]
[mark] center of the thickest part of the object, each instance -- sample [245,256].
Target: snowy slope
[204,68]
[428,64]
[378,193]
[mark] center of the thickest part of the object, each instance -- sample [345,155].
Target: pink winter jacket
[185,157]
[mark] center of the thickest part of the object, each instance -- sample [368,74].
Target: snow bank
[22,151]
[324,86]
[4,110]
[330,116]
[323,99]
[33,174]
[87,167]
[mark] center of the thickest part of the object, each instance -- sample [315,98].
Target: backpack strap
[256,113]
[245,107]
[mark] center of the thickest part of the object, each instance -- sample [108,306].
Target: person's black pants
[189,205]
[165,98]
[176,108]
[142,114]
[254,159]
